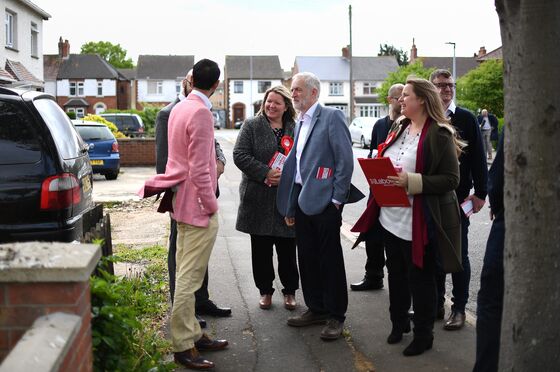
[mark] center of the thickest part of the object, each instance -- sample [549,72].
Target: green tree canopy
[415,69]
[114,54]
[390,50]
[483,87]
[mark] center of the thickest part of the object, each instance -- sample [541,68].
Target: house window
[178,86]
[155,87]
[99,88]
[34,40]
[237,86]
[369,88]
[335,89]
[343,108]
[370,110]
[76,88]
[10,22]
[79,111]
[264,86]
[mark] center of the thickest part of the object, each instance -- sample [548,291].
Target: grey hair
[395,87]
[440,72]
[311,80]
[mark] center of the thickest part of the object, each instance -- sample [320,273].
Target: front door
[238,112]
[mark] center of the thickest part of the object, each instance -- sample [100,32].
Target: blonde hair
[427,91]
[290,113]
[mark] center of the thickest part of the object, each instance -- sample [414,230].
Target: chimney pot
[482,51]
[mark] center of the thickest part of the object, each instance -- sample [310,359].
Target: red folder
[386,194]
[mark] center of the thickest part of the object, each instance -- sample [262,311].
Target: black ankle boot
[418,346]
[397,332]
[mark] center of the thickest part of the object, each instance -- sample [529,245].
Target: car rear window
[19,141]
[94,133]
[67,140]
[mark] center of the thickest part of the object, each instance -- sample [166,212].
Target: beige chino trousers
[194,246]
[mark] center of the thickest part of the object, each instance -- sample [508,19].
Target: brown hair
[290,113]
[427,91]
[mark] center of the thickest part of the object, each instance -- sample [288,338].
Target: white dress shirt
[203,97]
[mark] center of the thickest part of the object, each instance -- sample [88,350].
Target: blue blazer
[329,146]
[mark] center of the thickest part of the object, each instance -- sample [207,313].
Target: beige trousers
[194,245]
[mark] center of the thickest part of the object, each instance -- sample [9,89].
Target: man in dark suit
[373,279]
[203,305]
[315,184]
[488,124]
[490,301]
[473,169]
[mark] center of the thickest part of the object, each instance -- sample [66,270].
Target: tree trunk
[530,31]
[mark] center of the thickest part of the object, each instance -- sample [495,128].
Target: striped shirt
[402,152]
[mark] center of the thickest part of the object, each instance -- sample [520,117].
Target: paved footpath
[260,339]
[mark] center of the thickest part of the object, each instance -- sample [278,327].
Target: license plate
[86,184]
[96,162]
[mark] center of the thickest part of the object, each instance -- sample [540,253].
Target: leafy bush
[112,127]
[413,69]
[71,115]
[128,314]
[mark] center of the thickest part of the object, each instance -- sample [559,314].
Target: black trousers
[321,263]
[375,251]
[263,267]
[201,295]
[406,279]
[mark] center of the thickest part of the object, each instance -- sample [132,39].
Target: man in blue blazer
[315,184]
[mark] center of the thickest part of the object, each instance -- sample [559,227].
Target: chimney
[60,46]
[346,52]
[482,51]
[413,52]
[64,51]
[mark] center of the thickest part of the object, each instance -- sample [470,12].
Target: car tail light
[115,147]
[60,191]
[141,130]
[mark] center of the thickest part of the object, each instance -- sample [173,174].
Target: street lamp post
[454,65]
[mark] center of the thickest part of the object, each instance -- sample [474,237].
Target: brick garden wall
[22,303]
[137,151]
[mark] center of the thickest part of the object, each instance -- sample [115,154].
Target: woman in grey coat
[261,137]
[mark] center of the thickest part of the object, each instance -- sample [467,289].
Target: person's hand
[401,180]
[477,202]
[290,221]
[220,167]
[273,177]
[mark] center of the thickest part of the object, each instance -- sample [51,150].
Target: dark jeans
[406,279]
[375,253]
[321,263]
[201,295]
[490,300]
[462,279]
[263,267]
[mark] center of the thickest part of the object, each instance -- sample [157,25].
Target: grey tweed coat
[256,145]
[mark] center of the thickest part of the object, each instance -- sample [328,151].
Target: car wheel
[112,175]
[363,143]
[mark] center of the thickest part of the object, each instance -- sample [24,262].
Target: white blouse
[402,152]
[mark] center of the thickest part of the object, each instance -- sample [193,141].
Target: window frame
[99,88]
[10,29]
[368,88]
[336,88]
[264,85]
[238,86]
[155,87]
[34,40]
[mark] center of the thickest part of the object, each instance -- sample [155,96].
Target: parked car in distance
[216,120]
[360,130]
[238,124]
[103,147]
[131,125]
[45,173]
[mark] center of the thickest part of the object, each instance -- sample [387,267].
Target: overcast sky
[287,28]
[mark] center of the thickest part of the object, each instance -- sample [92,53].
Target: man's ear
[215,86]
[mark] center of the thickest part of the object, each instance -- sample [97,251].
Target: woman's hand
[290,221]
[273,177]
[401,180]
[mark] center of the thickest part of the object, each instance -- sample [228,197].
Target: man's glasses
[444,85]
[395,98]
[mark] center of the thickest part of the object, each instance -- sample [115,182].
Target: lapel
[314,119]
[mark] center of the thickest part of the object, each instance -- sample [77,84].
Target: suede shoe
[455,321]
[367,284]
[206,343]
[308,318]
[210,308]
[332,330]
[191,359]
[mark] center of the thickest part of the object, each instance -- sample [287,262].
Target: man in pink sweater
[191,175]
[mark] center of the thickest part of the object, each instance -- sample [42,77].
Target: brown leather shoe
[206,343]
[191,359]
[265,302]
[290,301]
[308,318]
[455,321]
[332,330]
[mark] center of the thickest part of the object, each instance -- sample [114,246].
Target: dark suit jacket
[379,133]
[473,167]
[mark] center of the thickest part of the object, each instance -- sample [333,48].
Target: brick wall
[22,303]
[109,101]
[137,151]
